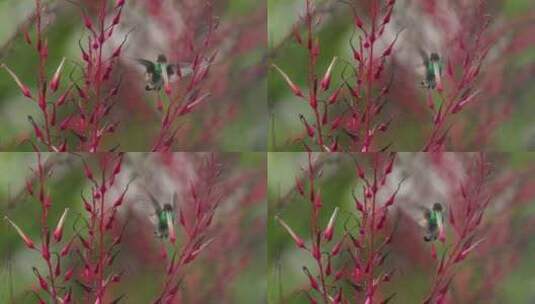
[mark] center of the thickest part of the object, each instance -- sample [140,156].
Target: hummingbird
[165,216]
[433,222]
[157,73]
[433,70]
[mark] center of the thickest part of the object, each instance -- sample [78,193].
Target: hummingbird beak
[171,228]
[436,70]
[167,87]
[441,232]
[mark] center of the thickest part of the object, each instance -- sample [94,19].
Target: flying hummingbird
[165,217]
[433,69]
[433,222]
[157,73]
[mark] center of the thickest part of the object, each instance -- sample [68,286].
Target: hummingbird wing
[154,203]
[149,65]
[423,216]
[174,200]
[424,56]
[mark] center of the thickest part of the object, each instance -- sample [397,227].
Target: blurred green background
[412,279]
[408,130]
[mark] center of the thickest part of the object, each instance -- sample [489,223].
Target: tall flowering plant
[120,231]
[440,216]
[358,118]
[366,244]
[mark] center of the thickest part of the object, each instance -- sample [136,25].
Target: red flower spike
[118,165]
[27,36]
[390,200]
[465,251]
[87,22]
[85,243]
[339,274]
[299,186]
[328,269]
[338,298]
[295,89]
[167,89]
[314,101]
[329,231]
[316,253]
[68,274]
[317,200]
[357,273]
[57,270]
[382,220]
[309,128]
[29,187]
[45,249]
[120,199]
[117,18]
[81,92]
[334,146]
[336,123]
[326,80]
[368,193]
[65,251]
[298,241]
[171,227]
[53,116]
[389,166]
[29,243]
[325,116]
[116,278]
[42,281]
[463,102]
[336,249]
[189,107]
[430,102]
[43,51]
[334,97]
[313,282]
[58,232]
[358,22]
[297,35]
[359,205]
[68,297]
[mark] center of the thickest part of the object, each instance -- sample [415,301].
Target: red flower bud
[58,232]
[326,80]
[24,89]
[54,84]
[313,282]
[298,241]
[334,97]
[295,89]
[309,128]
[29,243]
[42,281]
[328,233]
